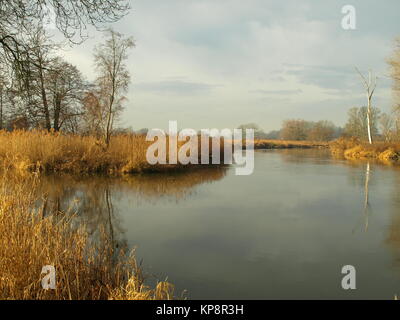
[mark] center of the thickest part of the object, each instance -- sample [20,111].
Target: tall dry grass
[288,144]
[353,148]
[56,152]
[45,151]
[86,268]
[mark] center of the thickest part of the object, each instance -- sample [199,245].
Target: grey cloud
[176,86]
[277,92]
[341,78]
[336,79]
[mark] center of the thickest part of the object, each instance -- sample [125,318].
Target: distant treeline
[384,127]
[298,130]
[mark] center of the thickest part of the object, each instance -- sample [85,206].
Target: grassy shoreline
[354,149]
[287,144]
[88,266]
[42,151]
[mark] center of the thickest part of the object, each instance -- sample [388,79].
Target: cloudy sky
[221,63]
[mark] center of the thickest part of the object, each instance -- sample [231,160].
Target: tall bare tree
[65,87]
[113,77]
[369,83]
[41,51]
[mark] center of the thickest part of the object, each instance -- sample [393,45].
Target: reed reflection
[92,198]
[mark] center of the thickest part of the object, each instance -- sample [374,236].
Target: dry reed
[287,144]
[87,267]
[352,148]
[55,152]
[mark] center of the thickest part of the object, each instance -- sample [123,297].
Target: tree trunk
[44,100]
[369,113]
[108,128]
[57,111]
[109,116]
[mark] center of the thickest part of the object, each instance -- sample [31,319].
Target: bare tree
[295,129]
[357,124]
[94,113]
[49,93]
[258,132]
[71,18]
[65,87]
[41,53]
[387,126]
[321,131]
[30,86]
[113,77]
[370,86]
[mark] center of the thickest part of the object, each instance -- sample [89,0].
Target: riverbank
[42,151]
[87,266]
[354,149]
[287,144]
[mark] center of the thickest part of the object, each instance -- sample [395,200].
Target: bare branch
[363,78]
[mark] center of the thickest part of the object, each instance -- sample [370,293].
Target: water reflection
[366,192]
[299,156]
[92,198]
[89,199]
[364,179]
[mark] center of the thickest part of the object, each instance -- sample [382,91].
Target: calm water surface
[283,233]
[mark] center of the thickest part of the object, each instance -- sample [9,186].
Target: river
[284,232]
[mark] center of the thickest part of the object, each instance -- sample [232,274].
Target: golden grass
[88,267]
[55,152]
[352,148]
[287,144]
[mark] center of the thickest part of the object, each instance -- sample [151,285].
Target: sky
[222,63]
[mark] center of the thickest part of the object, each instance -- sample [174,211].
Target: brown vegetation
[302,130]
[55,152]
[87,266]
[288,144]
[353,148]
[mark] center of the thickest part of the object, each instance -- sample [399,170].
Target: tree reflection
[92,199]
[364,180]
[366,198]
